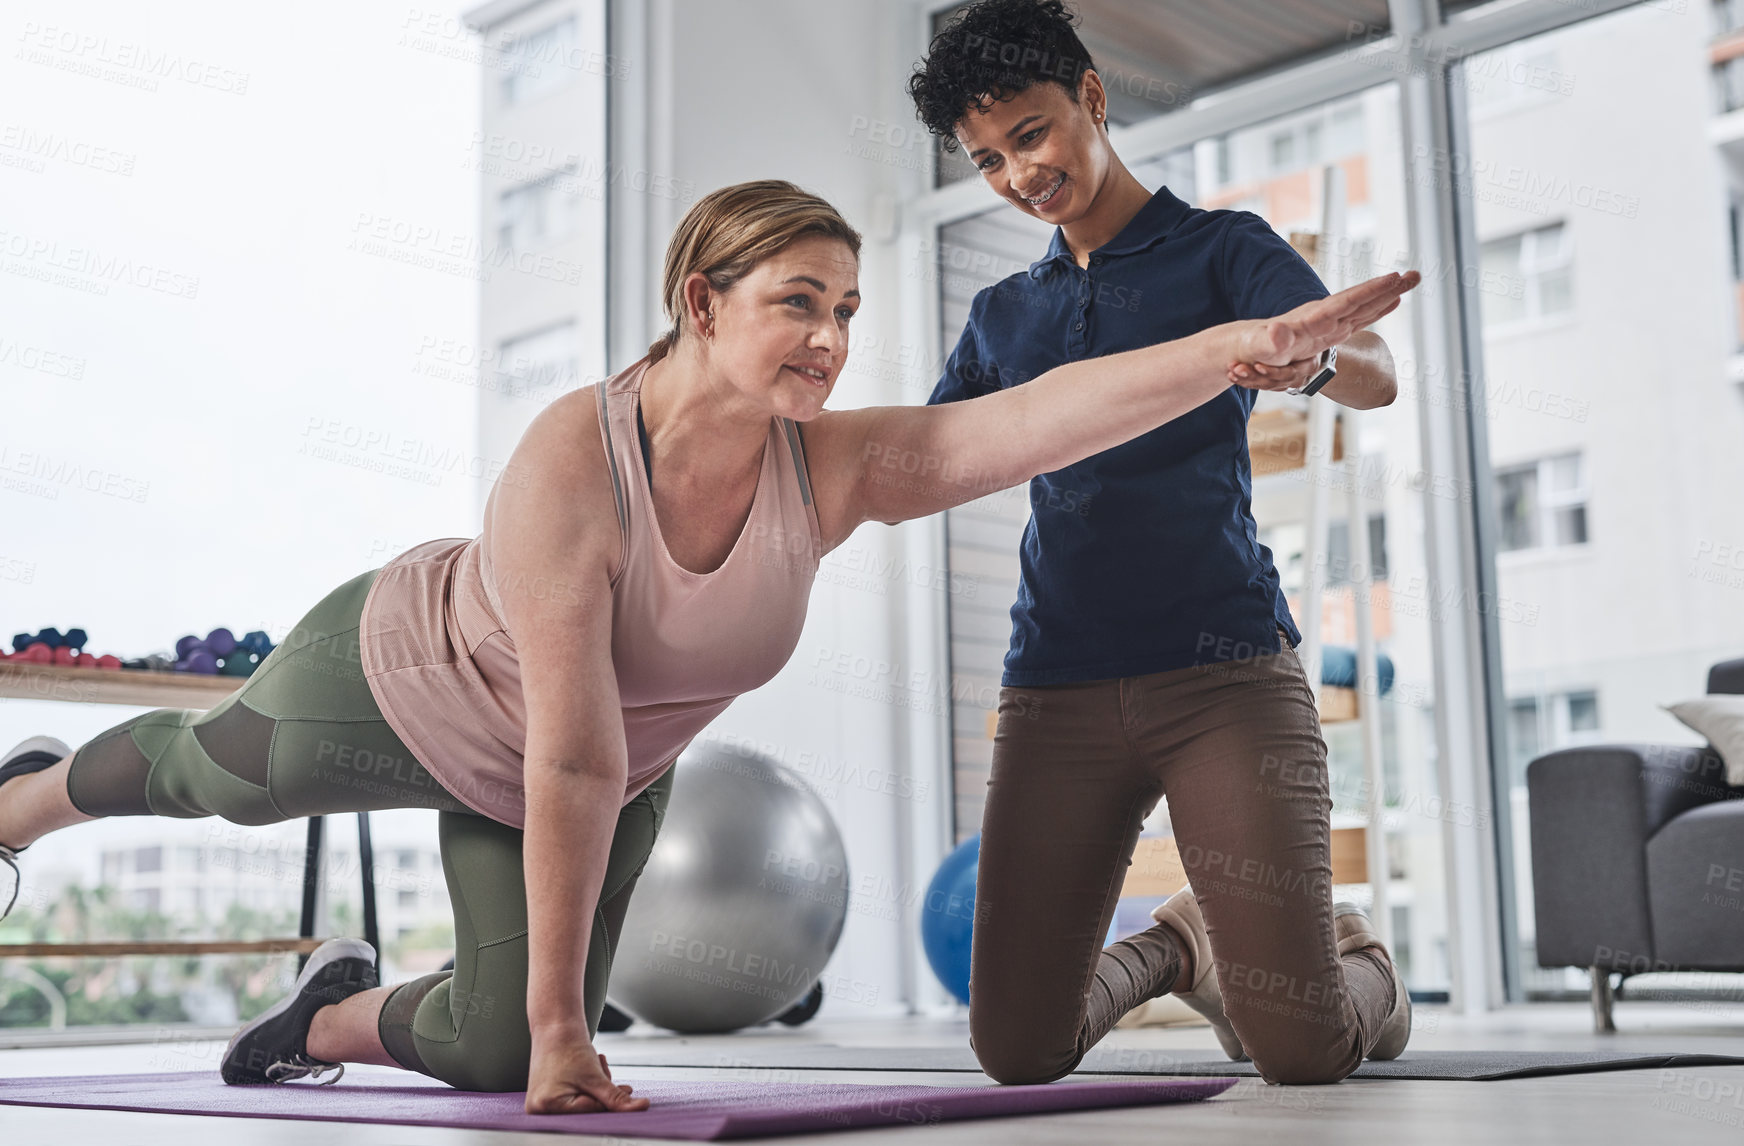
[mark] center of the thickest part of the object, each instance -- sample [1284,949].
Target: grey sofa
[1638,858]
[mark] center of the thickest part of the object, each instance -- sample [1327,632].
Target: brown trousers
[1077,768]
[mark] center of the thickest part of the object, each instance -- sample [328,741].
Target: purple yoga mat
[680,1108]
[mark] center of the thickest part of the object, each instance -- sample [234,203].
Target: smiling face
[781,332]
[1042,152]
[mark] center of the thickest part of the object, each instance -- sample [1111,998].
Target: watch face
[1321,379]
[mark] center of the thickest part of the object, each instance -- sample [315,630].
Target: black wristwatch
[1328,368]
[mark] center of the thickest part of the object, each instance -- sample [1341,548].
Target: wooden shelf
[1157,870]
[23,680]
[1337,704]
[1277,440]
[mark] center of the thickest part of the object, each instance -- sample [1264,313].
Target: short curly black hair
[991,51]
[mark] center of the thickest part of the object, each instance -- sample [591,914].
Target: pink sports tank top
[442,664]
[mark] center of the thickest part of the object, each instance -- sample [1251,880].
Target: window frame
[1548,502]
[515,94]
[1531,267]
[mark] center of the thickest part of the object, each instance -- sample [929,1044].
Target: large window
[202,430]
[1611,432]
[1325,177]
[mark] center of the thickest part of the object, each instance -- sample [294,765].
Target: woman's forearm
[1082,408]
[572,814]
[919,460]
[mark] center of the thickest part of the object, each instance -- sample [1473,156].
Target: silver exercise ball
[741,903]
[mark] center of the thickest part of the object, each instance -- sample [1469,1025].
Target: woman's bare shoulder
[558,482]
[566,433]
[836,444]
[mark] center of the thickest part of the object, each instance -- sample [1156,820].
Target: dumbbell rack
[20,680]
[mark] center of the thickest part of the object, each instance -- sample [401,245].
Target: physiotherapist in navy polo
[1142,582]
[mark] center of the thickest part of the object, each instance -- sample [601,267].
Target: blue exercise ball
[1338,668]
[947,917]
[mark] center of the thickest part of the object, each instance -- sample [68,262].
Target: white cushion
[1721,719]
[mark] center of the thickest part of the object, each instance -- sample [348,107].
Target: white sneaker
[1181,914]
[32,755]
[1354,931]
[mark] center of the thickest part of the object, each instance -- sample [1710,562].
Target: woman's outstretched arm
[893,463]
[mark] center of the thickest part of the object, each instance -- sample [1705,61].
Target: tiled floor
[1637,1108]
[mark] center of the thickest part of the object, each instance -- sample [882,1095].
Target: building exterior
[541,160]
[1612,410]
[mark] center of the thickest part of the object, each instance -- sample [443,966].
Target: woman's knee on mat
[471,1040]
[1012,1065]
[490,1068]
[1303,1054]
[1009,1052]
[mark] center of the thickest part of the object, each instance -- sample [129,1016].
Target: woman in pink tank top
[647,556]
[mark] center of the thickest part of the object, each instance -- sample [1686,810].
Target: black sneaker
[28,756]
[274,1047]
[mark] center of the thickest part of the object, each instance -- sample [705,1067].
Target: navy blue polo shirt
[1144,557]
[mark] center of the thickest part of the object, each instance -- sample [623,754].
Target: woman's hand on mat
[569,1077]
[1277,353]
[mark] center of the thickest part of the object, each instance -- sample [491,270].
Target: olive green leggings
[303,737]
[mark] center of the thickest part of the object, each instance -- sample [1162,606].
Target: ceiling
[1155,56]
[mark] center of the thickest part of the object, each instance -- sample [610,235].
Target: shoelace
[300,1065]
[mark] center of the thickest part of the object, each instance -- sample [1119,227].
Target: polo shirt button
[1080,326]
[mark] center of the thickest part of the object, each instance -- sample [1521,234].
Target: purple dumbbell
[199,659]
